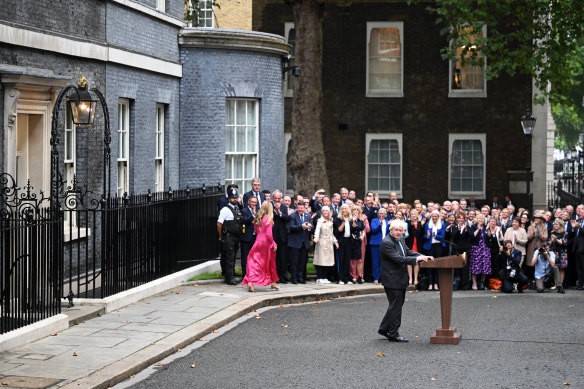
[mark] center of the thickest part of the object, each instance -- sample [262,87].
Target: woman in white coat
[324,253]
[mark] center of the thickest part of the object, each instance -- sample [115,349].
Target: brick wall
[144,90]
[234,14]
[80,19]
[425,115]
[141,33]
[208,73]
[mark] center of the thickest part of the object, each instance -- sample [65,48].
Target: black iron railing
[563,192]
[92,247]
[30,261]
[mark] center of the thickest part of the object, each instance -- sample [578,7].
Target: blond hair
[267,209]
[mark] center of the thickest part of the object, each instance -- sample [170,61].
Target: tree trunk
[307,159]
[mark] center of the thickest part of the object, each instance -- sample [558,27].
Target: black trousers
[282,260]
[297,263]
[229,247]
[245,248]
[345,260]
[392,319]
[579,258]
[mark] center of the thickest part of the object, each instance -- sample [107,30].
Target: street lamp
[528,124]
[82,107]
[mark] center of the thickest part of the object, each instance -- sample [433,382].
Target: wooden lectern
[445,266]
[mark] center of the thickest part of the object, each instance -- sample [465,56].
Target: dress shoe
[581,287]
[294,282]
[561,290]
[399,339]
[386,334]
[303,281]
[231,282]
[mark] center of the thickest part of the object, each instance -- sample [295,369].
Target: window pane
[384,171]
[240,138]
[230,112]
[251,139]
[238,166]
[69,145]
[250,167]
[251,113]
[240,111]
[373,171]
[228,167]
[230,139]
[395,184]
[385,59]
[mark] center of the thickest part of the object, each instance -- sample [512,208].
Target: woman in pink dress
[261,261]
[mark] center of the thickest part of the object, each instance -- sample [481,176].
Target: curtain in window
[385,59]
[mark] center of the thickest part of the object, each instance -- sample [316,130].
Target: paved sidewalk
[105,350]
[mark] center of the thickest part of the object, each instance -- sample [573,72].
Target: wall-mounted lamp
[296,71]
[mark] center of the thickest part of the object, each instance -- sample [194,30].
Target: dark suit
[298,242]
[578,249]
[280,233]
[248,239]
[462,244]
[249,194]
[394,260]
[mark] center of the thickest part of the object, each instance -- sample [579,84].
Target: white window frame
[475,93]
[288,92]
[385,93]
[159,144]
[123,159]
[70,163]
[465,194]
[287,138]
[385,136]
[161,5]
[230,180]
[201,3]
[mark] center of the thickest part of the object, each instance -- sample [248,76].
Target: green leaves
[539,38]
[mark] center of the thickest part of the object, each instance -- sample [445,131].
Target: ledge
[214,38]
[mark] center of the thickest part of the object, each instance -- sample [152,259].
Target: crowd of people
[505,247]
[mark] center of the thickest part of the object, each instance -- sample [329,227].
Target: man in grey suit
[395,256]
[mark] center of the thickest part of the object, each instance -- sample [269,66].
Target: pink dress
[261,261]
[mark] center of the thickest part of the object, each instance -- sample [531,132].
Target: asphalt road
[508,341]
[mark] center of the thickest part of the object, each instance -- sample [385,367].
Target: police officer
[229,226]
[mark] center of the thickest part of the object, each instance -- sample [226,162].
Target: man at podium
[395,256]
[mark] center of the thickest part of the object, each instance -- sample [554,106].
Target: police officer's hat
[232,193]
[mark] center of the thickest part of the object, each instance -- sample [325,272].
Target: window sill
[467,94]
[377,94]
[466,195]
[72,233]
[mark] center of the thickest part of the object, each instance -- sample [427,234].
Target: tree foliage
[192,11]
[539,38]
